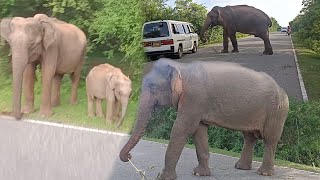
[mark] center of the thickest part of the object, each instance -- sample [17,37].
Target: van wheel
[153,58]
[179,53]
[195,48]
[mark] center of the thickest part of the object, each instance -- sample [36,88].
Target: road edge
[302,87]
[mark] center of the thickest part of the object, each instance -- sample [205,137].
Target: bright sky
[283,11]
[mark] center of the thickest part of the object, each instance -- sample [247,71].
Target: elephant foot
[243,165]
[100,115]
[28,109]
[201,171]
[73,102]
[265,171]
[224,51]
[17,116]
[235,51]
[55,103]
[91,115]
[46,114]
[267,52]
[167,176]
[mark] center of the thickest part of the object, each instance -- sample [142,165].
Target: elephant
[239,18]
[105,81]
[222,94]
[58,47]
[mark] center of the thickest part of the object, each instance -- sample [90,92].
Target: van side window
[180,29]
[186,29]
[174,30]
[191,28]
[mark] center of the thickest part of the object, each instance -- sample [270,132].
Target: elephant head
[28,39]
[121,86]
[161,87]
[214,18]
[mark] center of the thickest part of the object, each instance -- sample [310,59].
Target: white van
[169,38]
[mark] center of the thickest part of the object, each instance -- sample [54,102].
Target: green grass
[75,114]
[309,63]
[278,162]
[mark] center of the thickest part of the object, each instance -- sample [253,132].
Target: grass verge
[309,62]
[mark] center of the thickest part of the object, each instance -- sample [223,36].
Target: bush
[299,142]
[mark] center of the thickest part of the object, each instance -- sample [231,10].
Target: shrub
[299,142]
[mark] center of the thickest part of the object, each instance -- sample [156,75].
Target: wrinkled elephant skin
[212,93]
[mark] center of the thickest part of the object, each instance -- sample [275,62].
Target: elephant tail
[270,22]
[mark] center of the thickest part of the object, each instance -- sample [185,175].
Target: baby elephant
[107,82]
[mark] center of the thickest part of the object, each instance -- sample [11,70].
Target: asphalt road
[281,65]
[33,151]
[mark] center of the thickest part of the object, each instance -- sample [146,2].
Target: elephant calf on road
[58,47]
[107,82]
[212,93]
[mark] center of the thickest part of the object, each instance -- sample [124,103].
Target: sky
[283,11]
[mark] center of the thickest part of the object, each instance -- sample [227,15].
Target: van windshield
[154,30]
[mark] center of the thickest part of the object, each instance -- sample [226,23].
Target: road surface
[281,65]
[34,151]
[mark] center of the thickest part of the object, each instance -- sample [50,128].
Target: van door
[181,37]
[188,36]
[194,35]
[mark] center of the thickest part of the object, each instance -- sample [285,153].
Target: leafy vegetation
[299,143]
[309,62]
[306,26]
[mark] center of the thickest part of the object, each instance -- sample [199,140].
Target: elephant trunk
[204,28]
[19,62]
[143,117]
[124,103]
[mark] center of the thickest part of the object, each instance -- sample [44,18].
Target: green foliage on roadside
[275,25]
[299,142]
[306,26]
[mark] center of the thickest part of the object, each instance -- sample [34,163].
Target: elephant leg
[90,106]
[225,41]
[234,42]
[267,45]
[56,84]
[116,111]
[202,148]
[185,125]
[75,77]
[99,112]
[110,108]
[271,135]
[245,161]
[29,77]
[47,77]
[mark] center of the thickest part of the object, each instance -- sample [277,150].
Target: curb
[302,87]
[67,126]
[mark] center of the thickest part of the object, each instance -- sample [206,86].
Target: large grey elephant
[212,93]
[239,18]
[57,46]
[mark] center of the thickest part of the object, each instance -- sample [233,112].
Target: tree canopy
[306,25]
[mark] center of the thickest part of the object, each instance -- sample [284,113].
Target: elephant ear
[176,85]
[49,35]
[219,14]
[5,28]
[113,81]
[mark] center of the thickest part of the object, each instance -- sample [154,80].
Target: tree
[275,25]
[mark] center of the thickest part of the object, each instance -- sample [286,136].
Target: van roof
[167,20]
